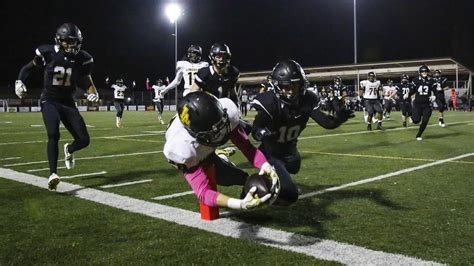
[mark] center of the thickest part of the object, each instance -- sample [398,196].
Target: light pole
[173,11]
[355,32]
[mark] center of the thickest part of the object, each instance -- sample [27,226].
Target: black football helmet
[159,82]
[405,78]
[424,71]
[289,81]
[371,76]
[390,82]
[437,73]
[68,38]
[220,55]
[119,82]
[194,53]
[204,118]
[338,80]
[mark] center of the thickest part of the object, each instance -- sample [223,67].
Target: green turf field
[426,213]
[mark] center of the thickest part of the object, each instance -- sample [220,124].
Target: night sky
[132,38]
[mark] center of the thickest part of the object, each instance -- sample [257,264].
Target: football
[262,182]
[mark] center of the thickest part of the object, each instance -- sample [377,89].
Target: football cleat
[369,127]
[404,123]
[53,181]
[441,124]
[419,138]
[228,151]
[68,157]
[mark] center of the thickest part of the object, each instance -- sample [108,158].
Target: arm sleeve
[254,155]
[199,182]
[260,123]
[147,85]
[324,120]
[175,82]
[25,71]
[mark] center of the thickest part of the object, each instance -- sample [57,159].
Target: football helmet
[194,53]
[371,76]
[204,118]
[424,71]
[390,82]
[405,78]
[119,82]
[220,55]
[289,81]
[338,80]
[159,82]
[437,73]
[68,38]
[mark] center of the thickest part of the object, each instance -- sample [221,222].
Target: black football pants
[54,112]
[421,112]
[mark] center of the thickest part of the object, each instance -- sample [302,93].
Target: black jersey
[285,122]
[404,89]
[439,84]
[62,72]
[337,90]
[423,89]
[220,86]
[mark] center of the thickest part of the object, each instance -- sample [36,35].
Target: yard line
[5,122]
[43,169]
[9,158]
[173,195]
[382,157]
[318,248]
[141,140]
[376,131]
[380,177]
[107,137]
[87,174]
[89,158]
[127,183]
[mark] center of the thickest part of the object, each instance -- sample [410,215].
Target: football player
[403,96]
[119,98]
[440,87]
[244,100]
[220,77]
[159,98]
[203,123]
[186,69]
[389,93]
[338,92]
[65,66]
[370,90]
[423,89]
[281,117]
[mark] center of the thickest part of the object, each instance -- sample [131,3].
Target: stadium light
[173,11]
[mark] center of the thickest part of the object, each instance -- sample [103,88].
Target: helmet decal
[184,116]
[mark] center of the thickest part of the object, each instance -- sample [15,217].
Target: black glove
[344,114]
[261,133]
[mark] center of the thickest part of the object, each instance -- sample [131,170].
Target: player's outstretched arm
[176,81]
[328,121]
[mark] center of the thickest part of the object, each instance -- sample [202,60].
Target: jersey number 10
[62,76]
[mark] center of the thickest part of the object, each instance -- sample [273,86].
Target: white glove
[156,100]
[268,169]
[20,89]
[432,98]
[339,97]
[251,200]
[405,96]
[93,97]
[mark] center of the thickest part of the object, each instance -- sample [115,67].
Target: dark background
[133,38]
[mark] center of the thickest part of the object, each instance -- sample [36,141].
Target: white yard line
[86,174]
[380,177]
[376,131]
[107,137]
[382,157]
[43,169]
[318,248]
[141,140]
[127,183]
[173,195]
[9,158]
[89,158]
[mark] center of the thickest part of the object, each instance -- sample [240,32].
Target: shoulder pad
[267,102]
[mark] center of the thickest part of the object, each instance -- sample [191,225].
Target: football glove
[262,133]
[93,97]
[405,96]
[156,100]
[251,200]
[432,98]
[20,89]
[344,114]
[269,170]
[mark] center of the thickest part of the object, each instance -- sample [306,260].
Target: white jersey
[157,89]
[245,98]
[371,89]
[185,70]
[119,91]
[181,148]
[389,90]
